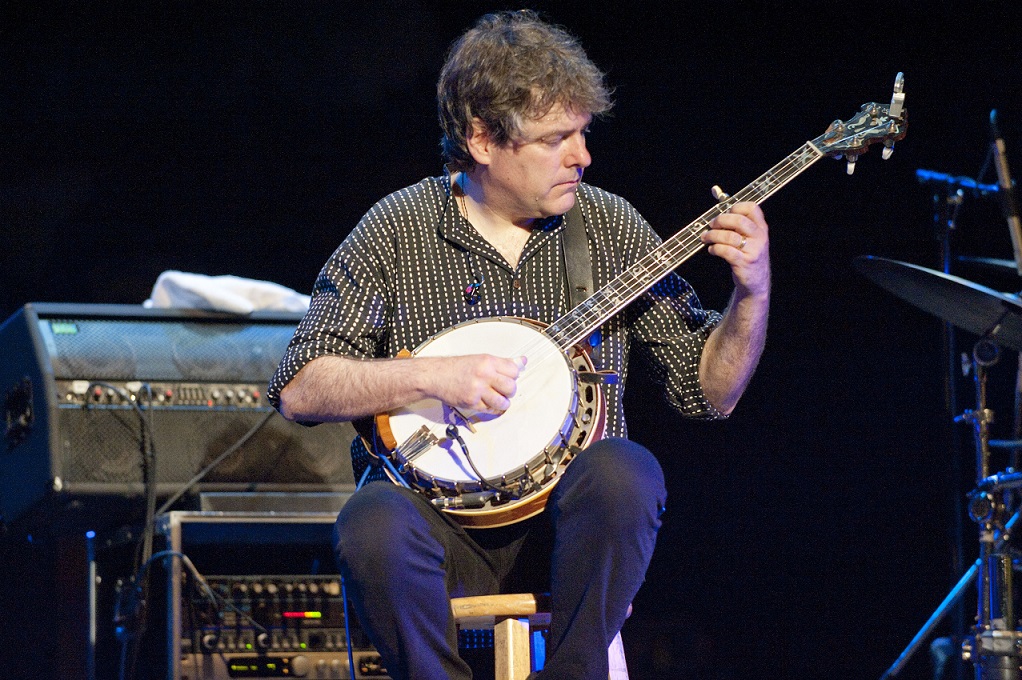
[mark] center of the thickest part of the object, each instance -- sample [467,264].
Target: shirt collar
[460,231]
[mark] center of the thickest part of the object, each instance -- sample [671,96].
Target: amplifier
[76,382]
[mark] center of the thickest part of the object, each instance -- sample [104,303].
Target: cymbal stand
[993,647]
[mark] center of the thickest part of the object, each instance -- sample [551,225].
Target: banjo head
[522,449]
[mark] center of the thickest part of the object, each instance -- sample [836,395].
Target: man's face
[536,174]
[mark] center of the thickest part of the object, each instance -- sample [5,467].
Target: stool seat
[511,617]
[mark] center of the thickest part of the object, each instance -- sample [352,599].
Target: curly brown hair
[509,67]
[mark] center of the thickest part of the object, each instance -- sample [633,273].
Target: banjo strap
[578,267]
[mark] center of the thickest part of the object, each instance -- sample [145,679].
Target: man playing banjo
[488,239]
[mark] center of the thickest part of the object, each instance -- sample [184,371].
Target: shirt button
[516,284]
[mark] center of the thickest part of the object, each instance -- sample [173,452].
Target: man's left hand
[740,237]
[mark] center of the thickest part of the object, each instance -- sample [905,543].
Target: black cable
[130,612]
[137,592]
[347,628]
[219,459]
[132,597]
[452,433]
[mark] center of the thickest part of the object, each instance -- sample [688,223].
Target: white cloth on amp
[174,289]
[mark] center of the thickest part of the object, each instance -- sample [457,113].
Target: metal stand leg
[995,647]
[932,622]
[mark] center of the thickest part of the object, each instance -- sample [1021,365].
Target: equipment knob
[262,640]
[209,641]
[300,666]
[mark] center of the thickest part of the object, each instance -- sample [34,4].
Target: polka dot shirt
[400,278]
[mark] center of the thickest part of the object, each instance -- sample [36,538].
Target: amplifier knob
[300,666]
[262,640]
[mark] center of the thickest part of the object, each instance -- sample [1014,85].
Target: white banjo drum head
[500,444]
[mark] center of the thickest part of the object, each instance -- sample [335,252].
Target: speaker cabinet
[86,388]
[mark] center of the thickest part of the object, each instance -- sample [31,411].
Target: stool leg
[616,656]
[511,649]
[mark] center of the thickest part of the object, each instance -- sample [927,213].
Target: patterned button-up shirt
[400,277]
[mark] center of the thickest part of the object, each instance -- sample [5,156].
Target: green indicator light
[64,328]
[302,645]
[248,645]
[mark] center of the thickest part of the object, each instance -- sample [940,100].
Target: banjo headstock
[873,123]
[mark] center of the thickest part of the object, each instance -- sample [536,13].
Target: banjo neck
[583,320]
[873,123]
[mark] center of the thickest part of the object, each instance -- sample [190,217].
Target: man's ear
[480,145]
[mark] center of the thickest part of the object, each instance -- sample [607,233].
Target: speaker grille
[115,349]
[103,446]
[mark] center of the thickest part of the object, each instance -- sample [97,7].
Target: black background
[812,534]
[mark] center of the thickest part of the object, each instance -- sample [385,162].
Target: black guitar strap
[578,267]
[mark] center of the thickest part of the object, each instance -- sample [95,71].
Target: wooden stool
[511,617]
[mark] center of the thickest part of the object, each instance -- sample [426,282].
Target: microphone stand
[946,206]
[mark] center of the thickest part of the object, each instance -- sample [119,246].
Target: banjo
[490,470]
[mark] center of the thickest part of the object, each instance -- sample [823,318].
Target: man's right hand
[481,382]
[331,388]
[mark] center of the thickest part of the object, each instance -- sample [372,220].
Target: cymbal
[967,305]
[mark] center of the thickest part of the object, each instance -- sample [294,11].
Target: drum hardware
[992,262]
[994,647]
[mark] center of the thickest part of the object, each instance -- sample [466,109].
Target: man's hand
[331,388]
[740,237]
[480,382]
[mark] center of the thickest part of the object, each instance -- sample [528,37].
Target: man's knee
[375,527]
[614,474]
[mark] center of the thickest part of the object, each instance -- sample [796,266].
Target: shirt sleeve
[350,309]
[669,328]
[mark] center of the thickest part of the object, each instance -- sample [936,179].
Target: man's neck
[505,235]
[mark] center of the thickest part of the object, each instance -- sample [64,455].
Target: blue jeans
[402,560]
